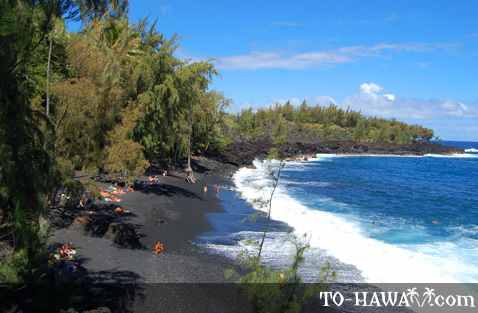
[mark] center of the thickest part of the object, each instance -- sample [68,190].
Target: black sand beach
[173,212]
[178,279]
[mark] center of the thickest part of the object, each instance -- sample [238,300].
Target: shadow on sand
[169,191]
[71,288]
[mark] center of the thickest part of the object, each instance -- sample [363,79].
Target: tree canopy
[313,123]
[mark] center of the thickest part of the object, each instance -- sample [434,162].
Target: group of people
[65,252]
[153,179]
[111,193]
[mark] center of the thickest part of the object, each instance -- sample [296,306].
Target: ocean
[373,218]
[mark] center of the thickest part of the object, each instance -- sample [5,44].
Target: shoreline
[175,213]
[304,219]
[317,255]
[244,153]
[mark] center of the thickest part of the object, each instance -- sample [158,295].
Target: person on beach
[82,202]
[190,176]
[153,180]
[205,188]
[216,188]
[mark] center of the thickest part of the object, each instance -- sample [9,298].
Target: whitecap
[454,155]
[319,184]
[329,157]
[346,240]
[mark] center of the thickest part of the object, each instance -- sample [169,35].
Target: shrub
[13,267]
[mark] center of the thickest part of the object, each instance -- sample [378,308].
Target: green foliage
[13,267]
[305,123]
[278,290]
[106,97]
[273,154]
[112,66]
[180,110]
[123,155]
[27,170]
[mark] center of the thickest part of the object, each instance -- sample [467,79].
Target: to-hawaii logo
[409,298]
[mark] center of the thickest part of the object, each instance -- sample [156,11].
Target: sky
[416,61]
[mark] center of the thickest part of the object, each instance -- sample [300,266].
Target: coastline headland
[242,153]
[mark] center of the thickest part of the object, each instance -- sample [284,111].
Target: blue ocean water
[393,218]
[399,199]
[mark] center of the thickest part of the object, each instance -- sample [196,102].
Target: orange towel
[158,247]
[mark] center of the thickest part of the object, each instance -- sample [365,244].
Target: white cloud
[274,60]
[271,60]
[390,97]
[374,100]
[371,100]
[370,88]
[454,108]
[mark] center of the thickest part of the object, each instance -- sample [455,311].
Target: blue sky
[413,60]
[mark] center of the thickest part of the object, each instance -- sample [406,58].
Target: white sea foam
[309,183]
[454,155]
[327,157]
[471,150]
[345,239]
[278,253]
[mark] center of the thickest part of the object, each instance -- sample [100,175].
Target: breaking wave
[344,238]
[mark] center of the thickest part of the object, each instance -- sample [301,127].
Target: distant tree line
[313,123]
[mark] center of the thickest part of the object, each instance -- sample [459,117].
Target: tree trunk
[189,168]
[48,77]
[266,228]
[189,154]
